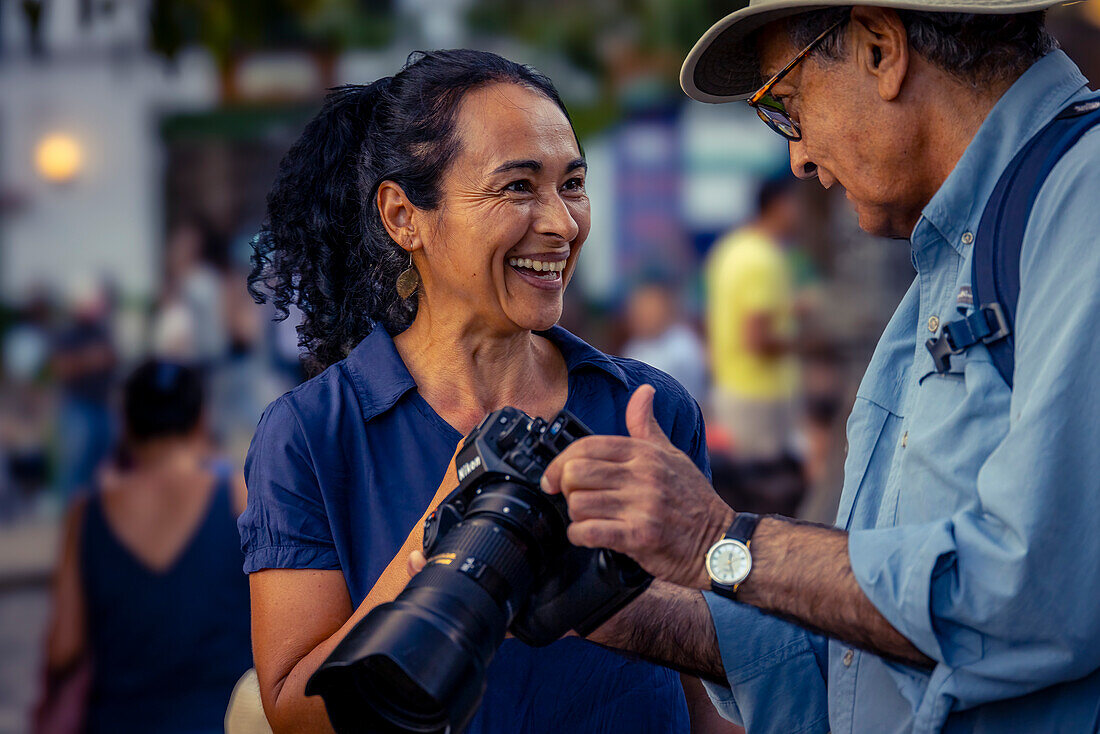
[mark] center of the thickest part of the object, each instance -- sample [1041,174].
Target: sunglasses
[770,109]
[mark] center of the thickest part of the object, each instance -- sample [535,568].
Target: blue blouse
[342,467]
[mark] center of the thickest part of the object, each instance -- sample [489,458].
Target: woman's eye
[523,186]
[574,184]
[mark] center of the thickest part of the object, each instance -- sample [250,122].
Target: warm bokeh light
[58,157]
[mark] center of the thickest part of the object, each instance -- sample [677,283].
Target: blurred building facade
[84,73]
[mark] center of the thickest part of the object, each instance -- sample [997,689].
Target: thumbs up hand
[641,496]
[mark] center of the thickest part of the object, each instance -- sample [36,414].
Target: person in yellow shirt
[751,329]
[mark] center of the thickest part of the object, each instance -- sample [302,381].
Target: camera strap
[995,273]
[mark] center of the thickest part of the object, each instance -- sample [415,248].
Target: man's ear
[399,215]
[881,48]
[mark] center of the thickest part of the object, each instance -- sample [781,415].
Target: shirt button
[967,238]
[905,439]
[848,657]
[933,323]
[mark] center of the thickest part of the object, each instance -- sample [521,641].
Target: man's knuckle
[569,473]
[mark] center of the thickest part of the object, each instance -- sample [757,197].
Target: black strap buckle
[997,313]
[941,350]
[986,325]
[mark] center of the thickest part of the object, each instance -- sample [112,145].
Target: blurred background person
[26,409]
[753,336]
[190,321]
[206,318]
[659,335]
[149,597]
[83,363]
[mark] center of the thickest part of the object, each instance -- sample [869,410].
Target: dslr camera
[498,560]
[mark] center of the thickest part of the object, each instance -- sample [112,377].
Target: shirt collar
[579,353]
[378,373]
[381,378]
[1032,101]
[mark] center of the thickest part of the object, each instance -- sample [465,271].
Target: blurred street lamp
[58,158]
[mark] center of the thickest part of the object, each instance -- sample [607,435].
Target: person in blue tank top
[149,590]
[426,226]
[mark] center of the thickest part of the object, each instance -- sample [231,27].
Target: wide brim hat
[722,67]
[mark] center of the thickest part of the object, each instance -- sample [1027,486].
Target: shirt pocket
[957,419]
[872,432]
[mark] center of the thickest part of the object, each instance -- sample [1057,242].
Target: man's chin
[876,222]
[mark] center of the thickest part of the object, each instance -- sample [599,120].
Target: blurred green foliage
[227,28]
[617,42]
[582,29]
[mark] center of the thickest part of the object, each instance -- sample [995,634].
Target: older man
[960,588]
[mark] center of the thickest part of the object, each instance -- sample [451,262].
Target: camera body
[499,560]
[573,588]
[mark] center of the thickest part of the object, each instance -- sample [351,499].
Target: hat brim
[722,66]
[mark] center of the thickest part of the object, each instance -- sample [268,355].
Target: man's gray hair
[976,48]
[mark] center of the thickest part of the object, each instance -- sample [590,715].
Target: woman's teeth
[537,265]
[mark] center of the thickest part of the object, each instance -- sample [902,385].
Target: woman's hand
[416,562]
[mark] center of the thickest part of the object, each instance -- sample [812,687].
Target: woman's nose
[554,218]
[801,165]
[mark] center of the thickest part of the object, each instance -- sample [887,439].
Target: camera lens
[402,702]
[418,664]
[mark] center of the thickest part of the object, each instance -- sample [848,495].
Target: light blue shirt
[973,509]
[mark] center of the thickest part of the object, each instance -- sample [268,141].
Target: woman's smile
[542,271]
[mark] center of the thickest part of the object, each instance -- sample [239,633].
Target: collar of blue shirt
[380,376]
[957,206]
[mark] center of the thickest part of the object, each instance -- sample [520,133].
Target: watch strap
[742,527]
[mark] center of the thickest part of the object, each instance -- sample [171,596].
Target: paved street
[26,557]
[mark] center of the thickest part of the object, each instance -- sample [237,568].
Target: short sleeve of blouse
[697,448]
[284,524]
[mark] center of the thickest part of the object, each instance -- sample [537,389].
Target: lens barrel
[418,664]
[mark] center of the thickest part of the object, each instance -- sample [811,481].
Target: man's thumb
[640,422]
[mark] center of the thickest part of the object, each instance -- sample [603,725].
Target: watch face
[728,562]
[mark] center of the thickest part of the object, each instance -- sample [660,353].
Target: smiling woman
[513,194]
[460,178]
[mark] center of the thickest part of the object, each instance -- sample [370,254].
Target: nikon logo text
[469,466]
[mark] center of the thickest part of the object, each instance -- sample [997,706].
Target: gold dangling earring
[408,281]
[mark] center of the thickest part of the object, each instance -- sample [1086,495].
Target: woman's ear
[399,215]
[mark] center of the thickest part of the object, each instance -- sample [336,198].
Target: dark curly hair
[323,247]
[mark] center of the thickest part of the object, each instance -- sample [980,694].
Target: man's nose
[801,165]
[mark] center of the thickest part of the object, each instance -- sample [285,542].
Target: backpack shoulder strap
[996,263]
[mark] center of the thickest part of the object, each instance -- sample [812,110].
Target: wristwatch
[729,561]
